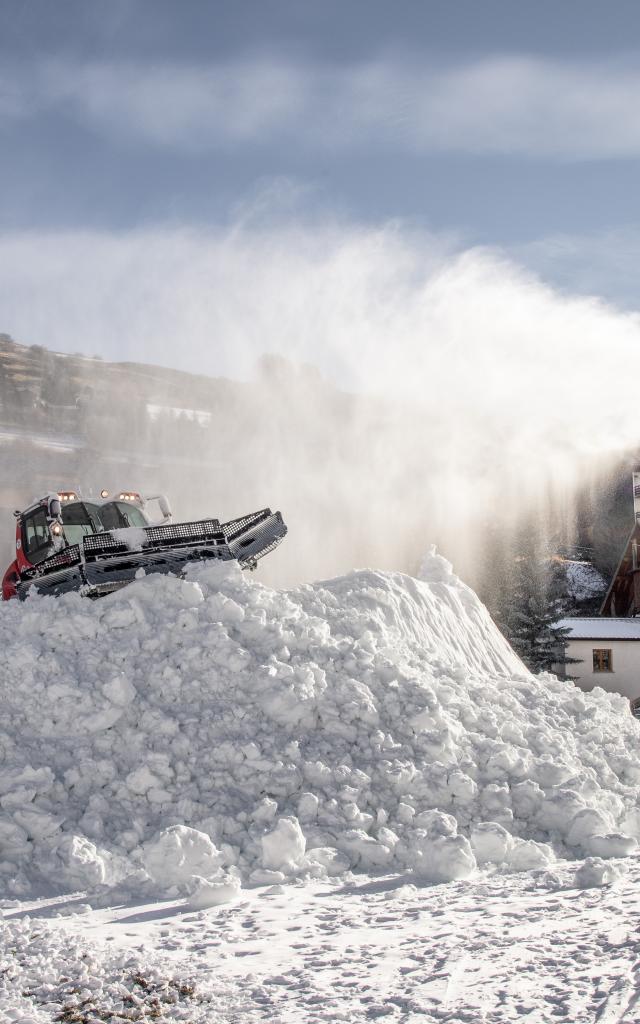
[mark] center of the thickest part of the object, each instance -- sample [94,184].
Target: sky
[134,129]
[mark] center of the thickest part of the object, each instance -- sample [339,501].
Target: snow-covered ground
[532,946]
[351,800]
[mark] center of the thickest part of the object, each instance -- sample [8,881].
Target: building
[607,647]
[623,596]
[607,650]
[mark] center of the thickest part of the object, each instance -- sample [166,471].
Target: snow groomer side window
[37,541]
[602,660]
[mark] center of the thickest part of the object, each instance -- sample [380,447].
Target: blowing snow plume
[454,389]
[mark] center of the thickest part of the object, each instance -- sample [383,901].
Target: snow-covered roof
[602,627]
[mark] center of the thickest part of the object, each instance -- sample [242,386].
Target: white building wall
[625,659]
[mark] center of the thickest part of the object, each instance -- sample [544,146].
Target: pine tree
[533,601]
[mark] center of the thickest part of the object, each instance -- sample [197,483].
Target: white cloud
[502,105]
[181,106]
[531,107]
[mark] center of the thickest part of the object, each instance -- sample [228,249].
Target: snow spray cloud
[453,387]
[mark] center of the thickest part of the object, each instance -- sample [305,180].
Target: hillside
[65,418]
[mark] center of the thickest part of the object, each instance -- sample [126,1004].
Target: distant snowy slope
[584,582]
[195,735]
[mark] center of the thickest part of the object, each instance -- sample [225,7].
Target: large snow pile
[189,736]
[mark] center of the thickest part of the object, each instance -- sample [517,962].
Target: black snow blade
[58,574]
[252,537]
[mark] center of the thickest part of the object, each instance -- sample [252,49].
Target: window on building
[602,660]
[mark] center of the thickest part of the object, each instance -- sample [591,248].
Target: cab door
[36,538]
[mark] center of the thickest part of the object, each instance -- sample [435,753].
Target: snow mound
[596,872]
[187,735]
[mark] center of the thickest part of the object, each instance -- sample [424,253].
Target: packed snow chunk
[213,892]
[329,861]
[436,852]
[596,872]
[308,807]
[141,780]
[614,845]
[435,568]
[178,855]
[490,842]
[26,778]
[37,823]
[77,861]
[527,855]
[266,809]
[119,691]
[221,608]
[261,876]
[366,852]
[630,823]
[14,840]
[284,847]
[586,824]
[443,859]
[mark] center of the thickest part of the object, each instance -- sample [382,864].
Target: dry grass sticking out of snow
[530,946]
